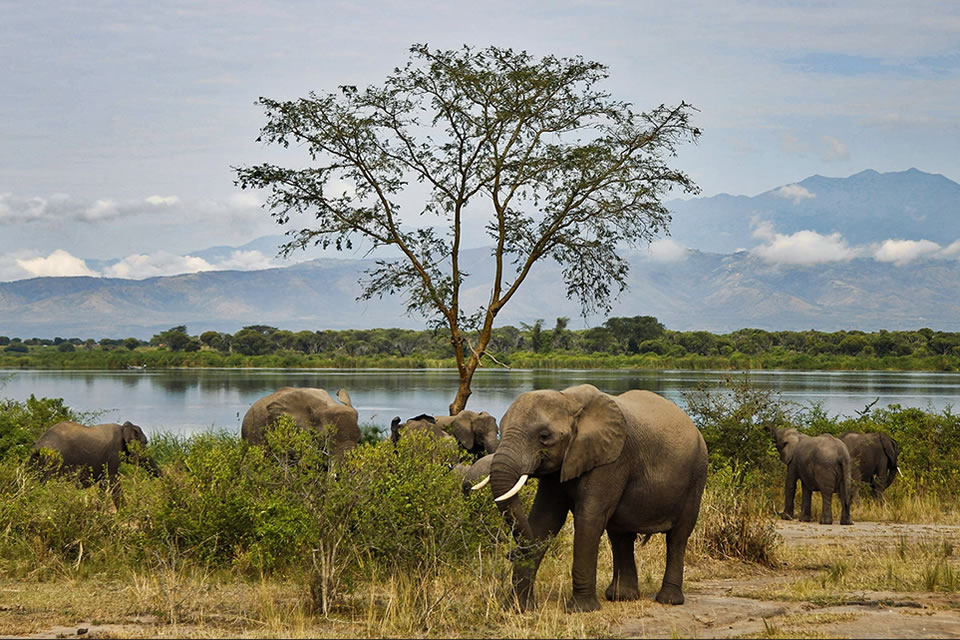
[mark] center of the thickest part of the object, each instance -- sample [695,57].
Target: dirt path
[714,610]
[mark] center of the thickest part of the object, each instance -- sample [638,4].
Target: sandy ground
[712,610]
[715,608]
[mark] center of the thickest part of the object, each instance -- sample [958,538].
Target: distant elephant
[475,432]
[95,452]
[629,464]
[475,476]
[311,408]
[821,463]
[874,457]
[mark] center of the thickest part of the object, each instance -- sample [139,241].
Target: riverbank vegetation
[285,540]
[640,342]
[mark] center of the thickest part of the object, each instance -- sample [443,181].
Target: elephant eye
[545,436]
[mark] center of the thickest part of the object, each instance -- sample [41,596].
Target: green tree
[174,338]
[547,164]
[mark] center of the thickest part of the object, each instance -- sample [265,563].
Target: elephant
[95,452]
[311,408]
[629,464]
[475,432]
[475,476]
[821,463]
[874,457]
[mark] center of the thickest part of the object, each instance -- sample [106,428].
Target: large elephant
[628,464]
[821,463]
[95,452]
[475,432]
[311,408]
[874,458]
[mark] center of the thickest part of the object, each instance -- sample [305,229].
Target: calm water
[186,401]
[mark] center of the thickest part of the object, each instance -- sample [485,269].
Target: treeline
[619,341]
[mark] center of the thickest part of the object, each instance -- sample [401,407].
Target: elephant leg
[806,507]
[587,529]
[789,494]
[624,585]
[671,590]
[826,513]
[844,494]
[547,515]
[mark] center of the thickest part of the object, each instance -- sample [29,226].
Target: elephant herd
[630,464]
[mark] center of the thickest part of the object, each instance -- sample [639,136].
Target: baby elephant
[821,463]
[93,451]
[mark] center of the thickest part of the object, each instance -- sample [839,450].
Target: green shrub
[21,423]
[736,420]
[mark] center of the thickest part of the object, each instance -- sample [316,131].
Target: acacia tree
[554,166]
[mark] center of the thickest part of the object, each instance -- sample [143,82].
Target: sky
[121,121]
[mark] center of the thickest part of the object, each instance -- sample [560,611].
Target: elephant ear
[890,448]
[130,432]
[463,432]
[597,436]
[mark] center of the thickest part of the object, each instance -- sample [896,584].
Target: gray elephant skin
[629,464]
[821,463]
[95,452]
[475,432]
[311,408]
[476,475]
[874,458]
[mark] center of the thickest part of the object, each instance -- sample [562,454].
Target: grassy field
[282,540]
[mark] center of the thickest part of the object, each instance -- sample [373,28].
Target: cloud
[791,144]
[161,263]
[836,150]
[666,250]
[901,252]
[159,201]
[794,192]
[952,250]
[58,263]
[60,208]
[801,248]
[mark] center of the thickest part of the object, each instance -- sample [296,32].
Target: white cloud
[952,250]
[138,266]
[58,263]
[801,248]
[158,201]
[791,144]
[836,150]
[666,250]
[794,192]
[246,199]
[246,261]
[901,252]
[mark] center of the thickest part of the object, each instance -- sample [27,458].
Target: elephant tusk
[481,484]
[514,491]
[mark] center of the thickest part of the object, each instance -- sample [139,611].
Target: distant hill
[865,208]
[713,292]
[714,287]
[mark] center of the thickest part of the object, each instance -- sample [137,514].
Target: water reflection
[191,400]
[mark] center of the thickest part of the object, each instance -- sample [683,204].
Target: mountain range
[716,286]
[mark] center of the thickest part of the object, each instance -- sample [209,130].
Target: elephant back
[310,407]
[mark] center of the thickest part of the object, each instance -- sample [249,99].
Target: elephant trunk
[505,473]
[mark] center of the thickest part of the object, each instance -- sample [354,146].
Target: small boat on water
[137,367]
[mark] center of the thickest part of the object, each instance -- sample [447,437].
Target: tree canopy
[550,165]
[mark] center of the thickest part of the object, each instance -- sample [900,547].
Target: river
[186,401]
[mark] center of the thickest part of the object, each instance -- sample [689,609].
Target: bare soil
[717,607]
[713,608]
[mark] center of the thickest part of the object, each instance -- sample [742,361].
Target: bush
[21,423]
[735,519]
[736,420]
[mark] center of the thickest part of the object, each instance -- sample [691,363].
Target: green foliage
[52,525]
[737,422]
[21,423]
